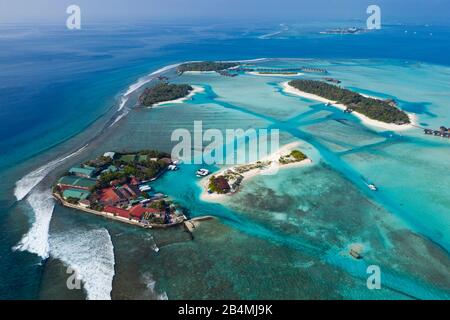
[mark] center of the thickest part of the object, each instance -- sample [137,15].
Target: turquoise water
[280,237]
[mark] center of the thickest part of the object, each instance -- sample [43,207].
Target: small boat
[372,187]
[144,188]
[202,173]
[356,251]
[172,167]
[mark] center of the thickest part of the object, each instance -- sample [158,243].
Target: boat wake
[90,254]
[284,28]
[29,181]
[36,239]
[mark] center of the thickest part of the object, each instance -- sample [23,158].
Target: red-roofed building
[117,211]
[110,196]
[137,211]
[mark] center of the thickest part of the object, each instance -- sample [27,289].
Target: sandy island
[197,89]
[273,168]
[364,119]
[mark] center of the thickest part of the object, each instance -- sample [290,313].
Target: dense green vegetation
[206,66]
[294,156]
[215,186]
[298,155]
[164,92]
[144,165]
[373,108]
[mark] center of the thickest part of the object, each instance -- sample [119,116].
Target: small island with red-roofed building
[117,186]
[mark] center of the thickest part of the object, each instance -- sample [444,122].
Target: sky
[98,11]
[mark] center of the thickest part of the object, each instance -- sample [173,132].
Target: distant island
[117,186]
[376,109]
[163,92]
[206,66]
[351,30]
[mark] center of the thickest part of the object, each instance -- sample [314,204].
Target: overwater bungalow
[226,73]
[443,132]
[333,80]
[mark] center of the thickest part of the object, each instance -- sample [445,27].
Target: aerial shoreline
[364,119]
[272,168]
[196,89]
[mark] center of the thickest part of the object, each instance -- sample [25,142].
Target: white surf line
[136,86]
[30,180]
[36,239]
[90,254]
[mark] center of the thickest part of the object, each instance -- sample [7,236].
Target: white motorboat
[202,173]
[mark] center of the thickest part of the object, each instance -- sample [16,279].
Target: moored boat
[202,172]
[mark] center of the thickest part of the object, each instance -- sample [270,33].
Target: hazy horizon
[138,11]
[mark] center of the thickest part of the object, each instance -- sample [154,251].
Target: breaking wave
[29,181]
[90,254]
[36,239]
[142,81]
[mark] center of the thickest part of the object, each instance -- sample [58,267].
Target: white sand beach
[364,119]
[196,90]
[272,169]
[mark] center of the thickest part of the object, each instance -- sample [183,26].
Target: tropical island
[228,181]
[375,109]
[351,30]
[117,186]
[163,92]
[206,66]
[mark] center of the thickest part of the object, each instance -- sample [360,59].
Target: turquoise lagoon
[287,236]
[284,236]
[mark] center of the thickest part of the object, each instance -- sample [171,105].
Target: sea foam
[30,180]
[142,81]
[90,254]
[36,239]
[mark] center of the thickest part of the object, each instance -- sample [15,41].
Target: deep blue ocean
[58,88]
